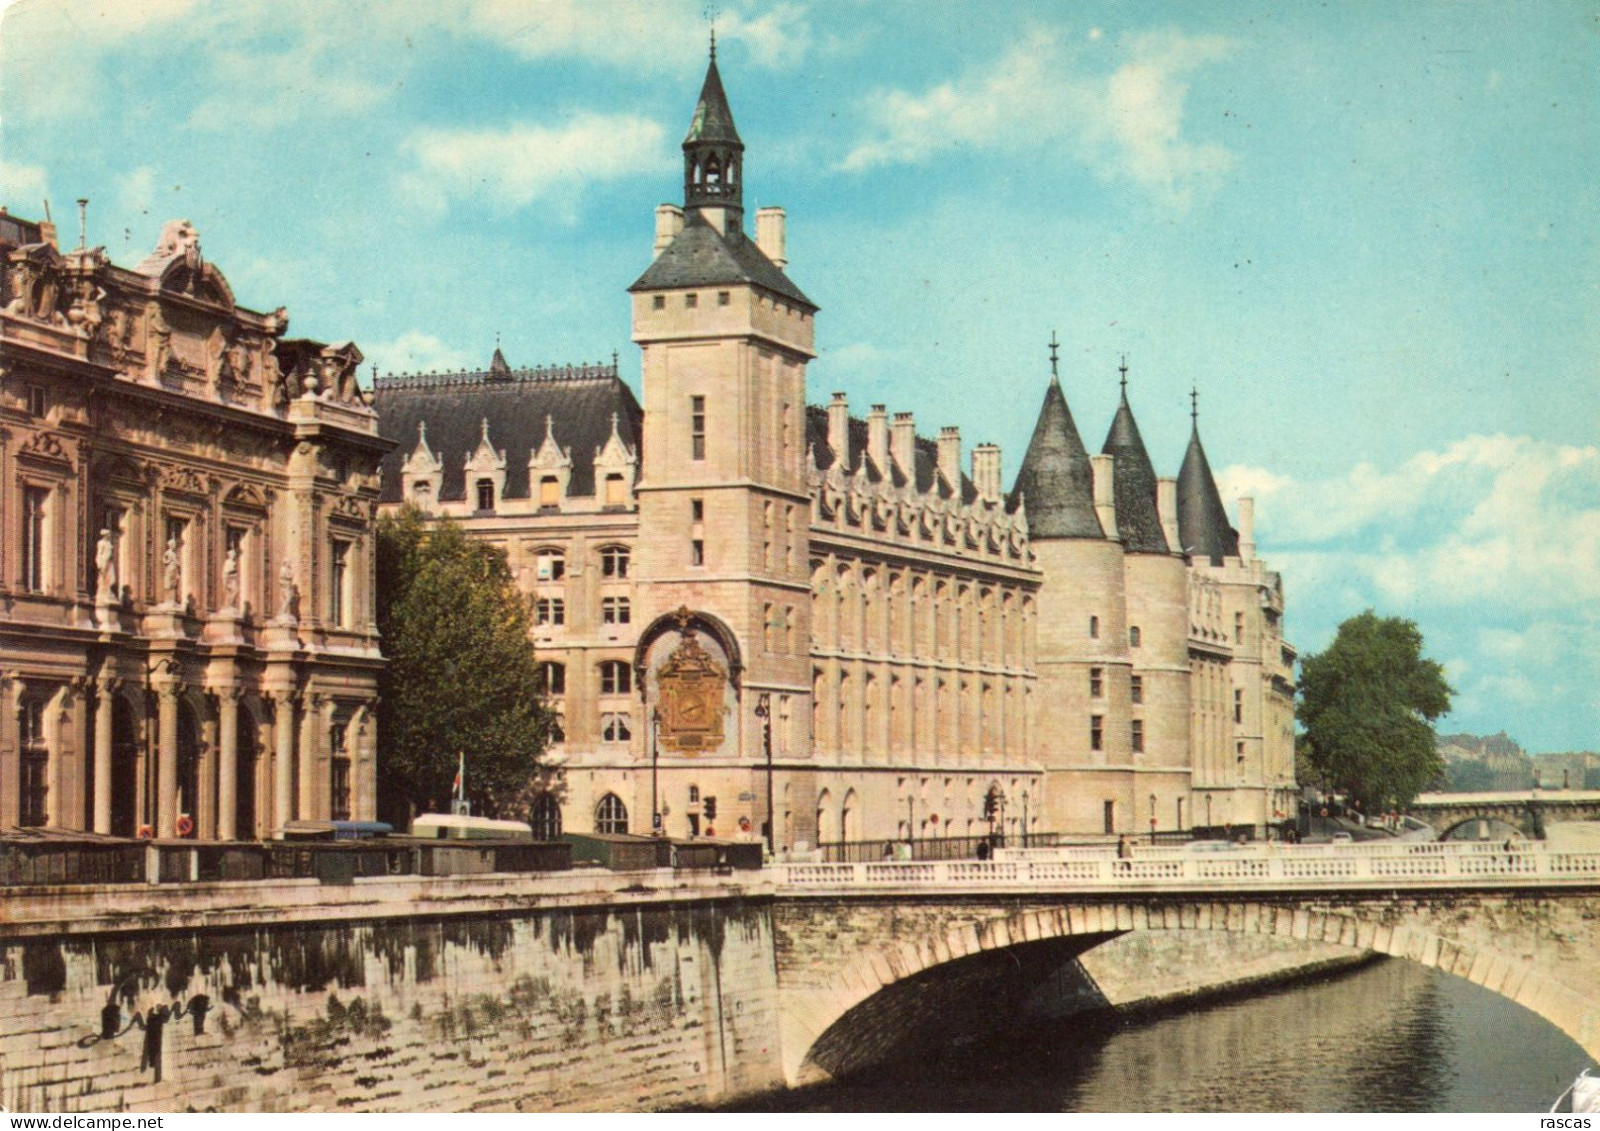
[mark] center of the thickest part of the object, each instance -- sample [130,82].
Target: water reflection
[1391,1036]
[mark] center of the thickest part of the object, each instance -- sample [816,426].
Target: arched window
[611,815]
[614,562]
[545,818]
[616,678]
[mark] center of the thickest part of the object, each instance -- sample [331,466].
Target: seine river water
[1390,1036]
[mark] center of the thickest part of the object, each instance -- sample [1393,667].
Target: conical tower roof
[1138,520]
[1202,520]
[713,119]
[1056,481]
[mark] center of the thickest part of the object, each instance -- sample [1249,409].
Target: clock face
[693,709]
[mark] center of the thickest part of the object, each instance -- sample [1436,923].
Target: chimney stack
[1105,499]
[1167,508]
[903,443]
[839,429]
[878,436]
[950,456]
[986,471]
[1247,530]
[770,235]
[669,222]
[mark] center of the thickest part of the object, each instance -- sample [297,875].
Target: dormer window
[421,490]
[616,490]
[549,491]
[486,494]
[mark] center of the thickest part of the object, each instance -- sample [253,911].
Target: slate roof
[1055,483]
[713,119]
[700,256]
[1138,520]
[1202,519]
[926,457]
[580,399]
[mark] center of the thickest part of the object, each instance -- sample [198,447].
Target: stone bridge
[880,957]
[1527,811]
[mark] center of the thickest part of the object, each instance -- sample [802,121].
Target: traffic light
[709,804]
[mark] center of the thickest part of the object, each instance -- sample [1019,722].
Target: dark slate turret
[1056,481]
[1202,519]
[1138,520]
[713,155]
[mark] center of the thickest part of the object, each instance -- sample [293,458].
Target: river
[1389,1036]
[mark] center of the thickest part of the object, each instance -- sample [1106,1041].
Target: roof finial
[83,222]
[1123,369]
[713,43]
[1054,376]
[1194,406]
[497,339]
[486,430]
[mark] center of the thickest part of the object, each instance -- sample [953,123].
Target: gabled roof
[701,256]
[1202,519]
[1055,483]
[713,119]
[578,399]
[1138,520]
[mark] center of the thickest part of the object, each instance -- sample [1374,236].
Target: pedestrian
[888,850]
[983,850]
[1124,855]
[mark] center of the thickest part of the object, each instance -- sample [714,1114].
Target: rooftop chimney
[878,436]
[903,443]
[1167,508]
[1247,530]
[1105,499]
[986,471]
[770,235]
[839,429]
[669,222]
[950,456]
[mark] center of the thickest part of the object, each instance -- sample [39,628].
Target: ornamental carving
[184,480]
[44,445]
[692,685]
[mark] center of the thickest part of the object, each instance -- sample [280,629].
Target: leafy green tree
[1367,704]
[461,676]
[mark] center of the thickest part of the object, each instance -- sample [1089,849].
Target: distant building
[1474,763]
[1579,770]
[741,596]
[186,594]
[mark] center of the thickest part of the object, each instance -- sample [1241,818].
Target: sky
[1364,232]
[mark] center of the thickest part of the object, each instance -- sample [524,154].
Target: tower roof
[701,256]
[1138,520]
[1202,520]
[1056,481]
[713,119]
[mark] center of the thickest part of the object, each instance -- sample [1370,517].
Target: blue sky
[1365,231]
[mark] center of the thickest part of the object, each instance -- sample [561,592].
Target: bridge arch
[813,1017]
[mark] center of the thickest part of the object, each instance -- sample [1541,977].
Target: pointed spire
[712,152]
[1134,481]
[713,120]
[1203,527]
[1056,477]
[498,369]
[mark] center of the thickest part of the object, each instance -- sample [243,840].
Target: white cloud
[261,90]
[416,352]
[1125,123]
[515,166]
[23,188]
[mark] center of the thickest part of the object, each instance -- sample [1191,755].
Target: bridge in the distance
[1527,811]
[869,951]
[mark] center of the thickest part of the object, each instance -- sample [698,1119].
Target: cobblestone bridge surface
[593,990]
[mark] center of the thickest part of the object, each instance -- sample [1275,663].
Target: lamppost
[655,771]
[1152,818]
[911,807]
[1024,818]
[764,713]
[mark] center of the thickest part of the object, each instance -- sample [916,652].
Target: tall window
[35,764]
[611,815]
[1097,732]
[1133,637]
[697,427]
[615,610]
[1238,705]
[35,509]
[338,773]
[614,562]
[339,584]
[697,551]
[551,566]
[550,612]
[1094,628]
[38,401]
[546,818]
[486,494]
[1136,736]
[1238,628]
[1097,682]
[616,726]
[616,678]
[1136,689]
[549,492]
[555,677]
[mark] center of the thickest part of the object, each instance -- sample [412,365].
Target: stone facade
[186,508]
[905,648]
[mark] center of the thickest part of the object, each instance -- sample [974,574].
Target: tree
[1368,704]
[461,679]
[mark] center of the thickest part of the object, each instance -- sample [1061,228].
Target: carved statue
[169,571]
[230,579]
[87,313]
[177,237]
[105,566]
[158,339]
[286,590]
[21,279]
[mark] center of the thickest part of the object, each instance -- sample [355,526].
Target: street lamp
[764,713]
[655,771]
[1152,818]
[1024,818]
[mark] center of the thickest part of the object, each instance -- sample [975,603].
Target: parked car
[1342,837]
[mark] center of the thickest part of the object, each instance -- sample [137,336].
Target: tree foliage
[461,678]
[1367,704]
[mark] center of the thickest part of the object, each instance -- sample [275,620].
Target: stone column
[228,767]
[312,760]
[167,762]
[104,707]
[283,759]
